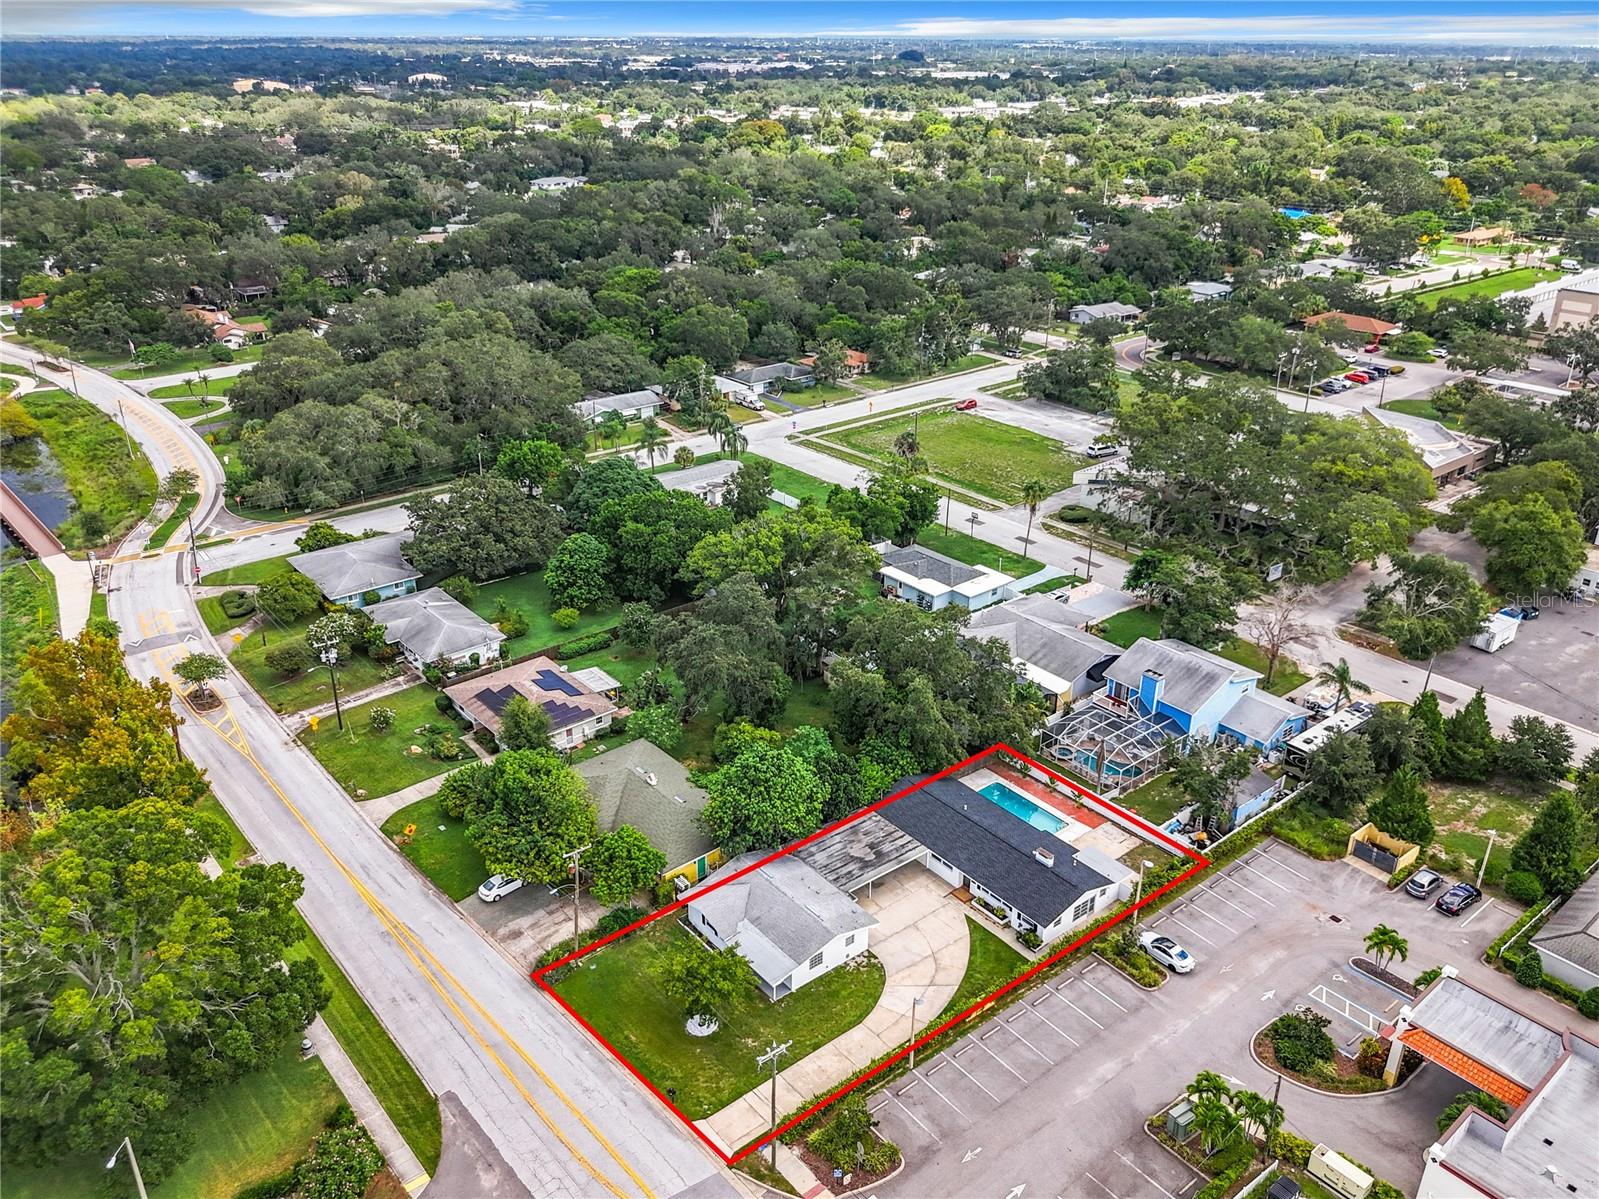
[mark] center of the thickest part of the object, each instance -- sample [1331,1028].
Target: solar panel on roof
[548,680]
[562,714]
[495,699]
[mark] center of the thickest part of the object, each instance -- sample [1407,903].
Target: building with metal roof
[1569,940]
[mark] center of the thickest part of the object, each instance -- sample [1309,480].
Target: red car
[965,405]
[1372,348]
[1358,377]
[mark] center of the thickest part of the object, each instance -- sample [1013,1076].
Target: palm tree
[1216,1124]
[908,445]
[651,438]
[717,424]
[683,457]
[1342,680]
[1261,1113]
[1384,944]
[734,443]
[1034,493]
[1208,1085]
[612,427]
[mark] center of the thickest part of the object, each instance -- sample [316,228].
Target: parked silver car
[1166,951]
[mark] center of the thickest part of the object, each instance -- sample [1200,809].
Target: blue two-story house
[1163,693]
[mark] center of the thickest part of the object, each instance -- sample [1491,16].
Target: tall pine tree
[1546,849]
[1428,719]
[1401,810]
[1469,743]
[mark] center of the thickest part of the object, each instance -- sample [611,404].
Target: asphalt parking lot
[1051,1095]
[1549,667]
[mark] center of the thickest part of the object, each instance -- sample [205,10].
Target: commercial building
[1447,454]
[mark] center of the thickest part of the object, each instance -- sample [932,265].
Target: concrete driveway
[1091,1052]
[527,922]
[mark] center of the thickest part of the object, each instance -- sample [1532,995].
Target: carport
[860,853]
[1474,1036]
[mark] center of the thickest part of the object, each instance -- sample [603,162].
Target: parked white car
[1166,951]
[497,887]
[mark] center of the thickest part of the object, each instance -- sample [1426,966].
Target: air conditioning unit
[1338,1174]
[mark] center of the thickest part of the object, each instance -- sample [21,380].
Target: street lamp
[915,1003]
[133,1163]
[330,658]
[1139,898]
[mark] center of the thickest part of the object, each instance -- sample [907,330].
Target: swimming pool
[1019,805]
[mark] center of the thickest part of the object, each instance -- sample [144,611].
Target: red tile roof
[1462,1066]
[1358,324]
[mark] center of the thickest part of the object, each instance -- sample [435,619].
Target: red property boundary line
[539,976]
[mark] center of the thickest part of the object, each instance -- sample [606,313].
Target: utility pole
[576,858]
[1425,683]
[770,1058]
[915,1003]
[1139,898]
[1090,540]
[1483,869]
[330,657]
[948,495]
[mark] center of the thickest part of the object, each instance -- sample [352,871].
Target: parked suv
[1166,951]
[1457,899]
[1423,883]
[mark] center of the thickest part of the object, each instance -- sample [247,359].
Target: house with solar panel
[580,704]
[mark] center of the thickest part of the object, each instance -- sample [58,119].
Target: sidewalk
[406,1165]
[74,592]
[380,809]
[406,678]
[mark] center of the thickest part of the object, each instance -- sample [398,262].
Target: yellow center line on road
[412,945]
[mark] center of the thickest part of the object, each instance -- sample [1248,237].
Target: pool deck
[1085,827]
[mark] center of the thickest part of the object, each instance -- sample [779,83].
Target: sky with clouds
[1479,22]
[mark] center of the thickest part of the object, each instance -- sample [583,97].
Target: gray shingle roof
[779,915]
[1573,931]
[994,847]
[1192,675]
[1039,631]
[924,564]
[364,565]
[753,375]
[1259,714]
[432,625]
[666,811]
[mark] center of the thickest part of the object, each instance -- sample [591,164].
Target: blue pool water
[1020,805]
[1295,214]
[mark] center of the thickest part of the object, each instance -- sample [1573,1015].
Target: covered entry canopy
[1478,1038]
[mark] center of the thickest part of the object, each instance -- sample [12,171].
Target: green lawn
[301,691]
[378,763]
[528,594]
[1465,813]
[216,620]
[28,615]
[878,382]
[1424,409]
[195,360]
[247,574]
[438,848]
[622,664]
[1127,627]
[794,482]
[189,409]
[196,390]
[990,964]
[1157,801]
[1487,285]
[245,1131]
[821,393]
[963,547]
[95,462]
[1055,584]
[616,990]
[163,532]
[973,452]
[403,1095]
[1312,829]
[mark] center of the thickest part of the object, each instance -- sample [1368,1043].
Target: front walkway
[920,938]
[406,679]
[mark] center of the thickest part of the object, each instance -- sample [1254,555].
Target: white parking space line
[1107,998]
[1195,931]
[939,1093]
[1267,877]
[1144,1176]
[1051,1023]
[1100,1185]
[1243,886]
[917,1118]
[1080,1011]
[980,1086]
[1020,1077]
[1024,1040]
[1281,865]
[1194,907]
[1230,903]
[1477,913]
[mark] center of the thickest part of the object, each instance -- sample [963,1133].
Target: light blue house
[351,574]
[1157,698]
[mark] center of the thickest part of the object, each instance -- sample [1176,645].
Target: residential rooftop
[367,564]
